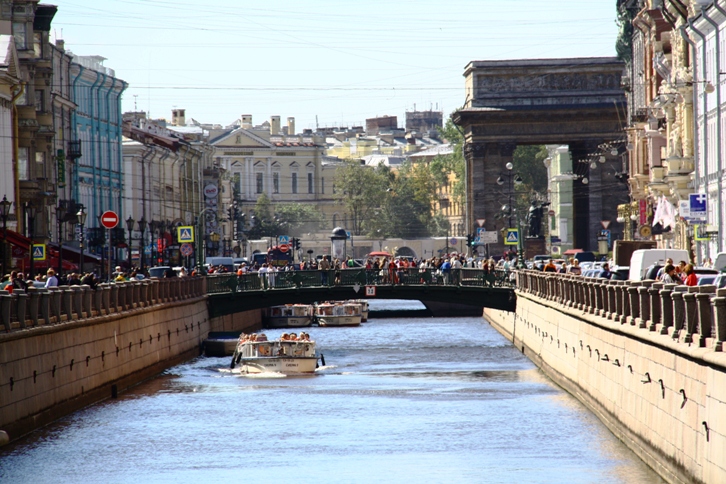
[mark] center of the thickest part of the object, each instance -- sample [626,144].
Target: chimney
[274,125]
[290,126]
[178,117]
[61,44]
[247,121]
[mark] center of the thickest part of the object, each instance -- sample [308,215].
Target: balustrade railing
[695,314]
[41,306]
[255,281]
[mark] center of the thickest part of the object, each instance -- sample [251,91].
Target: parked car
[642,259]
[620,273]
[706,279]
[720,281]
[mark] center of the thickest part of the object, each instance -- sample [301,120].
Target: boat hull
[289,322]
[287,366]
[339,320]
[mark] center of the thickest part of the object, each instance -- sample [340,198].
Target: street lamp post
[142,228]
[5,206]
[59,210]
[82,222]
[130,226]
[30,212]
[512,180]
[199,241]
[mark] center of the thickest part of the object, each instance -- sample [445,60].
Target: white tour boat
[278,356]
[290,316]
[338,314]
[363,308]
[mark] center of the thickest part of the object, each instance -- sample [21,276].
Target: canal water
[435,400]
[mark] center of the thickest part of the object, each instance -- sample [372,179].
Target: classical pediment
[241,138]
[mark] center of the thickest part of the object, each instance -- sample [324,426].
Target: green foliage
[624,43]
[284,219]
[360,189]
[528,161]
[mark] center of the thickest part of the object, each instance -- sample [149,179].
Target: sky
[323,62]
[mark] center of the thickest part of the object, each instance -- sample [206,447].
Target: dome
[339,232]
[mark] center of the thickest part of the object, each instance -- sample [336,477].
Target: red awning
[572,251]
[17,240]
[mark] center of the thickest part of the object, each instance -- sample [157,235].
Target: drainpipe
[719,178]
[119,149]
[74,131]
[109,123]
[704,155]
[16,134]
[97,147]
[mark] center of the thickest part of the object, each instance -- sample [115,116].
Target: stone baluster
[633,303]
[627,309]
[33,305]
[22,307]
[619,289]
[610,294]
[87,295]
[571,295]
[56,303]
[679,310]
[666,309]
[719,316]
[597,286]
[155,291]
[705,318]
[6,301]
[605,301]
[97,300]
[77,295]
[136,294]
[691,323]
[67,302]
[643,304]
[655,305]
[106,299]
[44,305]
[113,305]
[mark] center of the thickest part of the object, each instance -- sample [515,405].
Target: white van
[719,263]
[643,258]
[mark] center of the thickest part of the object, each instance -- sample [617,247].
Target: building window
[260,185]
[23,164]
[19,34]
[40,156]
[310,183]
[275,183]
[294,183]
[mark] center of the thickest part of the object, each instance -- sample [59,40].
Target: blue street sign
[283,239]
[698,203]
[480,230]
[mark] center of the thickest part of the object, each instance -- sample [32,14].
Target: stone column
[44,305]
[704,318]
[67,300]
[689,299]
[21,307]
[77,295]
[33,305]
[97,308]
[56,303]
[625,294]
[113,299]
[634,300]
[644,304]
[719,316]
[679,311]
[88,300]
[6,301]
[655,305]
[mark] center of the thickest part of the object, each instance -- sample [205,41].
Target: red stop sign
[284,248]
[109,219]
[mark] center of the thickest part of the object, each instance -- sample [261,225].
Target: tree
[283,219]
[360,189]
[454,163]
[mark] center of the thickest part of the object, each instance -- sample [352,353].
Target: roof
[436,150]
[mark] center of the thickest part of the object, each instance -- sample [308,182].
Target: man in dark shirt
[605,272]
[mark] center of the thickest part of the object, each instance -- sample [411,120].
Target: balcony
[678,166]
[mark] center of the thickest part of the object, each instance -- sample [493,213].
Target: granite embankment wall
[652,371]
[71,354]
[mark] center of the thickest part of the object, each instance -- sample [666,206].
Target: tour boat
[363,308]
[290,316]
[338,314]
[278,356]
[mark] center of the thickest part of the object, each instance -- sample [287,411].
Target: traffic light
[470,240]
[296,244]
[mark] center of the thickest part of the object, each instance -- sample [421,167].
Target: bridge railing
[690,314]
[40,306]
[255,281]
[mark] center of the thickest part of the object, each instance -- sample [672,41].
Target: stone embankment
[647,358]
[68,347]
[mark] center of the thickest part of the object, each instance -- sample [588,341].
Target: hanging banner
[60,159]
[643,211]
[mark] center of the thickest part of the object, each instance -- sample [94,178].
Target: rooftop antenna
[316,123]
[136,109]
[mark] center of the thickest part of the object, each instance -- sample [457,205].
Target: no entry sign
[109,219]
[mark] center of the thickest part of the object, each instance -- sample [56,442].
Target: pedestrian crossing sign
[512,237]
[39,252]
[185,234]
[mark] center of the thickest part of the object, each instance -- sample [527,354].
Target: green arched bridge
[229,293]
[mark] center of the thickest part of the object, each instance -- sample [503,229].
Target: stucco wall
[666,401]
[49,371]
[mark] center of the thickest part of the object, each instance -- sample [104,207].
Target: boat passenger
[262,337]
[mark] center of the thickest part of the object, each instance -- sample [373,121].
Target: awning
[72,254]
[17,240]
[572,251]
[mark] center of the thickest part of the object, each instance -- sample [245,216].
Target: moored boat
[255,354]
[363,308]
[290,316]
[338,314]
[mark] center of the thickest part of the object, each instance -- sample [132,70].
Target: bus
[274,257]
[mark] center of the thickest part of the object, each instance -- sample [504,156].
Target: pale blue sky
[341,61]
